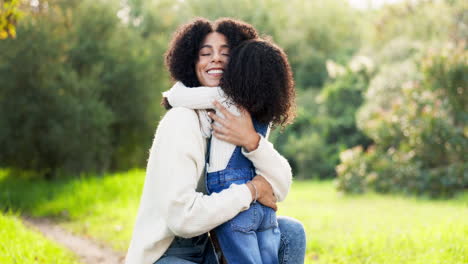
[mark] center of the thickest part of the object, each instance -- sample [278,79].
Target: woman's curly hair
[259,78]
[182,54]
[255,88]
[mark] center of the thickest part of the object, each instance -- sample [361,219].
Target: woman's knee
[292,232]
[291,226]
[293,241]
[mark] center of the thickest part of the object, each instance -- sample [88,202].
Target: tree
[9,16]
[79,92]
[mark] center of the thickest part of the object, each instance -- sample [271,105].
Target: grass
[378,229]
[103,208]
[370,228]
[20,245]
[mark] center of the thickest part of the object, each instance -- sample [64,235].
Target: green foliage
[420,132]
[340,99]
[49,114]
[326,122]
[301,143]
[446,73]
[418,20]
[9,16]
[415,108]
[98,109]
[318,31]
[310,32]
[78,92]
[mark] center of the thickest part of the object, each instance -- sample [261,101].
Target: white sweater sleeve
[274,167]
[174,167]
[194,98]
[269,163]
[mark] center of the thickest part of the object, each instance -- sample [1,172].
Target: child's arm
[194,98]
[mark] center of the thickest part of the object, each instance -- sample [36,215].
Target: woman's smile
[212,59]
[215,72]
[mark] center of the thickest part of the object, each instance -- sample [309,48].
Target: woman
[173,205]
[266,93]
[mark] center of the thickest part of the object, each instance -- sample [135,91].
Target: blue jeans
[291,251]
[252,236]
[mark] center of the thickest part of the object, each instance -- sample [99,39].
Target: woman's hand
[264,192]
[237,130]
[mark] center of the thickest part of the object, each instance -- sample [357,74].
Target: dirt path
[89,251]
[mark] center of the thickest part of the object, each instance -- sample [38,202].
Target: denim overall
[253,235]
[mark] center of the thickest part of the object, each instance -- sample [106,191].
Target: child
[258,78]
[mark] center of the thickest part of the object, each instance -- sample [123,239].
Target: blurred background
[81,83]
[382,105]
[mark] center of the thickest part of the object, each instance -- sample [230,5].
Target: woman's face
[212,59]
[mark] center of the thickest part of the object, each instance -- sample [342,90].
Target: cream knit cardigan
[202,98]
[173,203]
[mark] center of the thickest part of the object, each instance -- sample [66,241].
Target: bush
[419,131]
[326,122]
[77,95]
[302,143]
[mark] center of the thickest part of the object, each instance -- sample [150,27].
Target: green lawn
[378,229]
[20,245]
[341,229]
[103,208]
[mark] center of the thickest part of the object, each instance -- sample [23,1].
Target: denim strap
[207,156]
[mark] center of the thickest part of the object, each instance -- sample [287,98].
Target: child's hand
[237,130]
